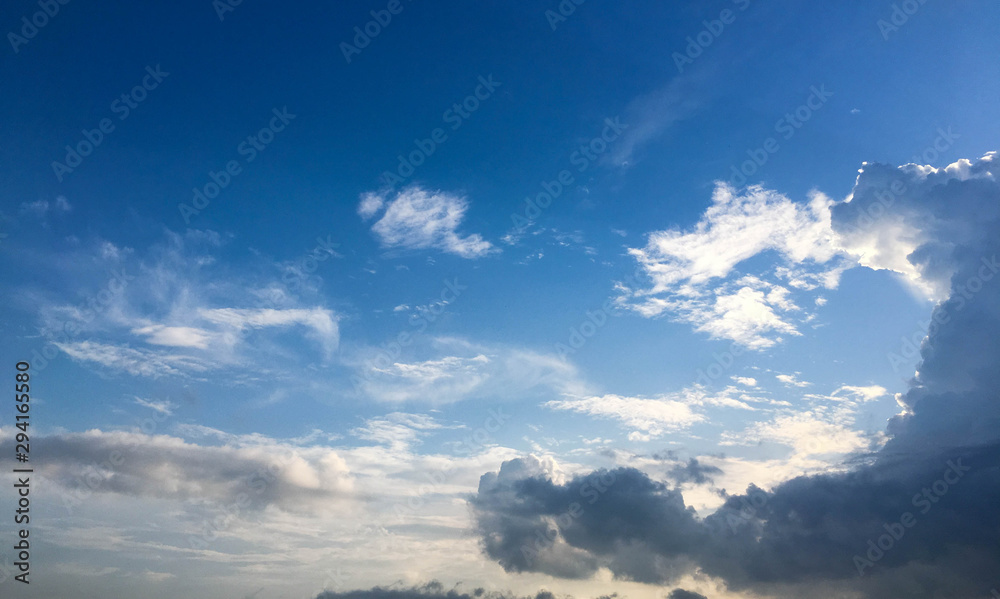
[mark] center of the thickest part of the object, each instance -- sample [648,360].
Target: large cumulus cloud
[618,519]
[928,497]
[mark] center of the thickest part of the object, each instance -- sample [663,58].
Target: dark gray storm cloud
[616,518]
[682,594]
[693,472]
[918,518]
[434,590]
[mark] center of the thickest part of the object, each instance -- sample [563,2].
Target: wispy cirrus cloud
[320,321]
[457,370]
[807,433]
[164,407]
[173,313]
[652,114]
[399,431]
[647,418]
[137,362]
[820,425]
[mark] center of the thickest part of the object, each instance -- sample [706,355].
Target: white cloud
[735,228]
[281,474]
[693,273]
[39,208]
[789,380]
[650,417]
[321,321]
[157,576]
[887,223]
[649,115]
[450,377]
[171,309]
[159,334]
[807,433]
[748,316]
[827,425]
[862,394]
[370,204]
[163,407]
[892,220]
[419,219]
[463,370]
[645,417]
[397,430]
[381,507]
[730,397]
[199,349]
[78,569]
[137,362]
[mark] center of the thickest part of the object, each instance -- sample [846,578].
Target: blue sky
[362,334]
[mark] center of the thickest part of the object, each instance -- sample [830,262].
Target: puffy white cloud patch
[693,274]
[420,219]
[739,272]
[790,380]
[370,204]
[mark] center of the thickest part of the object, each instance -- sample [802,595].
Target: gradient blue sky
[247,327]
